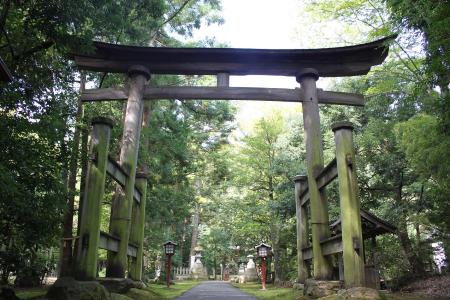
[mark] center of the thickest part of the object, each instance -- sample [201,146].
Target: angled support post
[301,182]
[137,228]
[307,78]
[352,242]
[122,203]
[86,252]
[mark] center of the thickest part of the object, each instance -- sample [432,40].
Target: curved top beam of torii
[329,62]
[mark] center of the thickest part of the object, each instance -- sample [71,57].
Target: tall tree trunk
[67,243]
[182,242]
[64,169]
[275,235]
[195,221]
[414,260]
[277,251]
[84,167]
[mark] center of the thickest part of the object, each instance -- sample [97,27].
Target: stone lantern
[250,272]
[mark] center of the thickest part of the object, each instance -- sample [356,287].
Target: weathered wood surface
[302,228]
[122,202]
[324,178]
[323,269]
[331,245]
[111,243]
[116,172]
[137,229]
[224,93]
[352,241]
[329,62]
[327,175]
[223,79]
[87,248]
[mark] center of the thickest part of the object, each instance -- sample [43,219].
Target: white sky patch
[262,24]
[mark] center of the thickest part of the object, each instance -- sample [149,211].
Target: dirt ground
[437,287]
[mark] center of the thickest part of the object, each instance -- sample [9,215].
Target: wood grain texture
[324,178]
[323,269]
[225,93]
[87,248]
[329,246]
[111,243]
[116,172]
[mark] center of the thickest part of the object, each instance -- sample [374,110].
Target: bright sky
[259,24]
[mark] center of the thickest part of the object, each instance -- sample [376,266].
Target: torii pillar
[352,240]
[302,227]
[323,269]
[122,204]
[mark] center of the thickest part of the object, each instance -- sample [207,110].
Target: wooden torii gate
[307,65]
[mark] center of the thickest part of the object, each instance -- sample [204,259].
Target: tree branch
[11,50]
[43,46]
[102,79]
[177,12]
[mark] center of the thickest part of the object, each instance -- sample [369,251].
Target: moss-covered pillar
[137,227]
[122,203]
[86,252]
[314,158]
[352,242]
[301,183]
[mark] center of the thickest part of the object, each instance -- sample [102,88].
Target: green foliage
[401,138]
[426,148]
[37,111]
[431,18]
[253,203]
[32,193]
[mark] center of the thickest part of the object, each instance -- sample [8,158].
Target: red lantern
[263,251]
[169,250]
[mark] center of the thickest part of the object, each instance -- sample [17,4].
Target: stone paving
[215,290]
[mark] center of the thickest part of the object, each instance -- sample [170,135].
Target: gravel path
[215,290]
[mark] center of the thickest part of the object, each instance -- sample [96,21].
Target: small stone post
[86,252]
[302,227]
[137,228]
[320,230]
[122,203]
[223,79]
[352,242]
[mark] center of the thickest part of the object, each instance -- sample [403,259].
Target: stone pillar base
[321,288]
[333,290]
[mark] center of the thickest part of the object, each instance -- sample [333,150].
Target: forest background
[212,183]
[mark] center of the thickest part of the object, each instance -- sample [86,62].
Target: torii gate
[307,65]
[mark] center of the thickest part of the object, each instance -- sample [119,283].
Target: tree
[41,102]
[396,93]
[430,18]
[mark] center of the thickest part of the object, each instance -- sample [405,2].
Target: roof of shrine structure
[329,62]
[371,225]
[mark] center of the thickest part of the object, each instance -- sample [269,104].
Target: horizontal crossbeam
[224,93]
[324,178]
[111,243]
[329,246]
[120,176]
